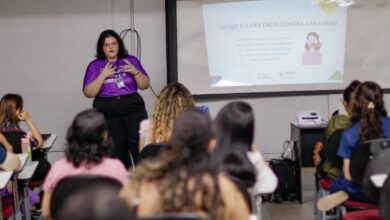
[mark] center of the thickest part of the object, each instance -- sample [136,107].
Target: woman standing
[113,79]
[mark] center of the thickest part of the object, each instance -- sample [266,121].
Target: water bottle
[26,147]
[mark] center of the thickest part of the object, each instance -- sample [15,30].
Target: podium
[305,138]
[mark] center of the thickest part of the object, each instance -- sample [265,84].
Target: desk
[4,178]
[48,143]
[305,138]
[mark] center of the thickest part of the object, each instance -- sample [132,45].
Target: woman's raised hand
[108,70]
[130,68]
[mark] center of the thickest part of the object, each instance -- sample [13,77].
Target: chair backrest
[150,151]
[384,201]
[362,154]
[380,164]
[13,137]
[70,186]
[175,216]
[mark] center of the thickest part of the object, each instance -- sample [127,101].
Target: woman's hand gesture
[108,70]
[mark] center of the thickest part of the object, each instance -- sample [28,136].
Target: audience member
[367,110]
[327,166]
[182,179]
[88,152]
[173,100]
[236,154]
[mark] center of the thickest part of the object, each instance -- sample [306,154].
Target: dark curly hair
[234,131]
[87,139]
[367,108]
[122,52]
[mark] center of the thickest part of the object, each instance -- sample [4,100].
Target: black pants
[123,115]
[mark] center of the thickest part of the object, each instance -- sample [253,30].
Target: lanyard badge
[119,81]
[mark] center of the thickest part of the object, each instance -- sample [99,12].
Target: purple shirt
[109,87]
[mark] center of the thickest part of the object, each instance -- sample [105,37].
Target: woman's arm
[46,205]
[266,181]
[92,89]
[142,80]
[346,165]
[24,116]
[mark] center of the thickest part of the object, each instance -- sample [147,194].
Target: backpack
[287,173]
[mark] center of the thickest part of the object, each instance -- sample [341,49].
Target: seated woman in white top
[236,154]
[173,100]
[88,153]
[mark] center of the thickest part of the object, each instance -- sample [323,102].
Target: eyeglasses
[111,45]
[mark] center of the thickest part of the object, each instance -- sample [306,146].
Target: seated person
[182,178]
[236,154]
[11,114]
[172,100]
[371,122]
[88,152]
[325,161]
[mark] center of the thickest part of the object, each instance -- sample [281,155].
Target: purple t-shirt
[109,87]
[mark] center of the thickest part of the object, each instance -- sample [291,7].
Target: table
[49,142]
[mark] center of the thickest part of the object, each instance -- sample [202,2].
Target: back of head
[184,161]
[9,104]
[349,90]
[235,129]
[235,125]
[367,107]
[87,138]
[191,135]
[172,101]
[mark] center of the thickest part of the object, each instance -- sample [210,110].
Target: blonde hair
[171,102]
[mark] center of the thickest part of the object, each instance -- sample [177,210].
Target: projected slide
[274,42]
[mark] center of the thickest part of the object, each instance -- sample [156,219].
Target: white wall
[47,44]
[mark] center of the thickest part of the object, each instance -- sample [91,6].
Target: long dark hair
[367,108]
[87,139]
[234,127]
[122,52]
[9,104]
[183,169]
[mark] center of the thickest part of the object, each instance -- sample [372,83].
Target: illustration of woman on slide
[312,56]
